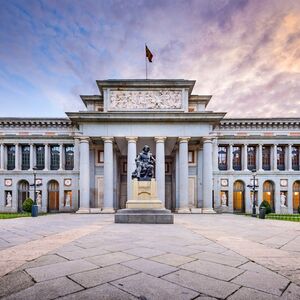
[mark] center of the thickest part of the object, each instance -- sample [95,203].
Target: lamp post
[35,208]
[253,191]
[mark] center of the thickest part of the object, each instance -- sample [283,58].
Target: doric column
[84,181]
[160,168]
[2,167]
[207,176]
[183,175]
[46,157]
[61,149]
[245,157]
[76,154]
[230,168]
[31,164]
[17,157]
[289,157]
[260,157]
[215,155]
[275,157]
[131,156]
[108,176]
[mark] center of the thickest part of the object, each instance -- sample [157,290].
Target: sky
[246,53]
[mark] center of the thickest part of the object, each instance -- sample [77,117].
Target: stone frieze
[145,100]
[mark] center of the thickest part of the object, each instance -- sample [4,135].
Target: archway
[238,196]
[53,196]
[23,193]
[296,195]
[268,193]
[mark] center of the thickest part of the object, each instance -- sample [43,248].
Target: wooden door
[53,201]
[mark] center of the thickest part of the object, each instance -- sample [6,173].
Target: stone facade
[203,160]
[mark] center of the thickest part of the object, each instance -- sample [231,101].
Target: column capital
[183,139]
[107,139]
[160,139]
[131,139]
[84,139]
[207,139]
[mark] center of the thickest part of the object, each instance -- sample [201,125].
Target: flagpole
[146,63]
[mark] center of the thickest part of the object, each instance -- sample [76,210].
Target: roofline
[87,116]
[156,83]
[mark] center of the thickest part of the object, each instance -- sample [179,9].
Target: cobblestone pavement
[70,256]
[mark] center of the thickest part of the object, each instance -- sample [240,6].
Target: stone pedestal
[144,207]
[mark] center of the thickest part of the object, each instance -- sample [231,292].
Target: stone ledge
[144,216]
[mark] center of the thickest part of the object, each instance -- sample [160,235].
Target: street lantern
[254,173]
[35,208]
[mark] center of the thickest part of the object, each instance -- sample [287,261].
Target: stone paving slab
[149,267]
[60,269]
[251,294]
[43,261]
[50,289]
[214,270]
[81,253]
[265,282]
[101,292]
[103,275]
[14,282]
[172,259]
[144,252]
[110,259]
[221,259]
[202,284]
[149,287]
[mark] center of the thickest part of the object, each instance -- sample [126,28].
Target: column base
[183,211]
[83,211]
[208,211]
[95,210]
[196,210]
[107,211]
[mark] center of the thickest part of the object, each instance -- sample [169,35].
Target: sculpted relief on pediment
[145,100]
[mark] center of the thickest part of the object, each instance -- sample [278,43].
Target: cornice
[203,117]
[259,124]
[35,123]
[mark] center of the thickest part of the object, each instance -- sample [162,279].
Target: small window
[100,156]
[295,158]
[54,154]
[40,157]
[25,157]
[191,157]
[222,158]
[11,154]
[236,158]
[280,158]
[251,159]
[69,157]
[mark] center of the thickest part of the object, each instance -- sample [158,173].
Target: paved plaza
[71,256]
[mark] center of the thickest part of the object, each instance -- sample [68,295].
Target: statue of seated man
[144,165]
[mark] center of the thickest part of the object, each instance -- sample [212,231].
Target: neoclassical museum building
[204,161]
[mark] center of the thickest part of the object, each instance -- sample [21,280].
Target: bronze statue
[144,165]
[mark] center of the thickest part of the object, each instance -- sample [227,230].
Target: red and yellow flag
[149,54]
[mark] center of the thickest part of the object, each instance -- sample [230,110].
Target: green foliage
[266,204]
[27,205]
[13,215]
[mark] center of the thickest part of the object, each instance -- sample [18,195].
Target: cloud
[245,53]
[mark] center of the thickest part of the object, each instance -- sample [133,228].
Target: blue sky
[245,53]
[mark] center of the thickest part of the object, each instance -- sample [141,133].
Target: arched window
[238,196]
[268,193]
[222,157]
[296,195]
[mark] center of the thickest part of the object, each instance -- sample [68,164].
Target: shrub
[267,205]
[27,205]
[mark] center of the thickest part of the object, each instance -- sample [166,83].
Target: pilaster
[160,168]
